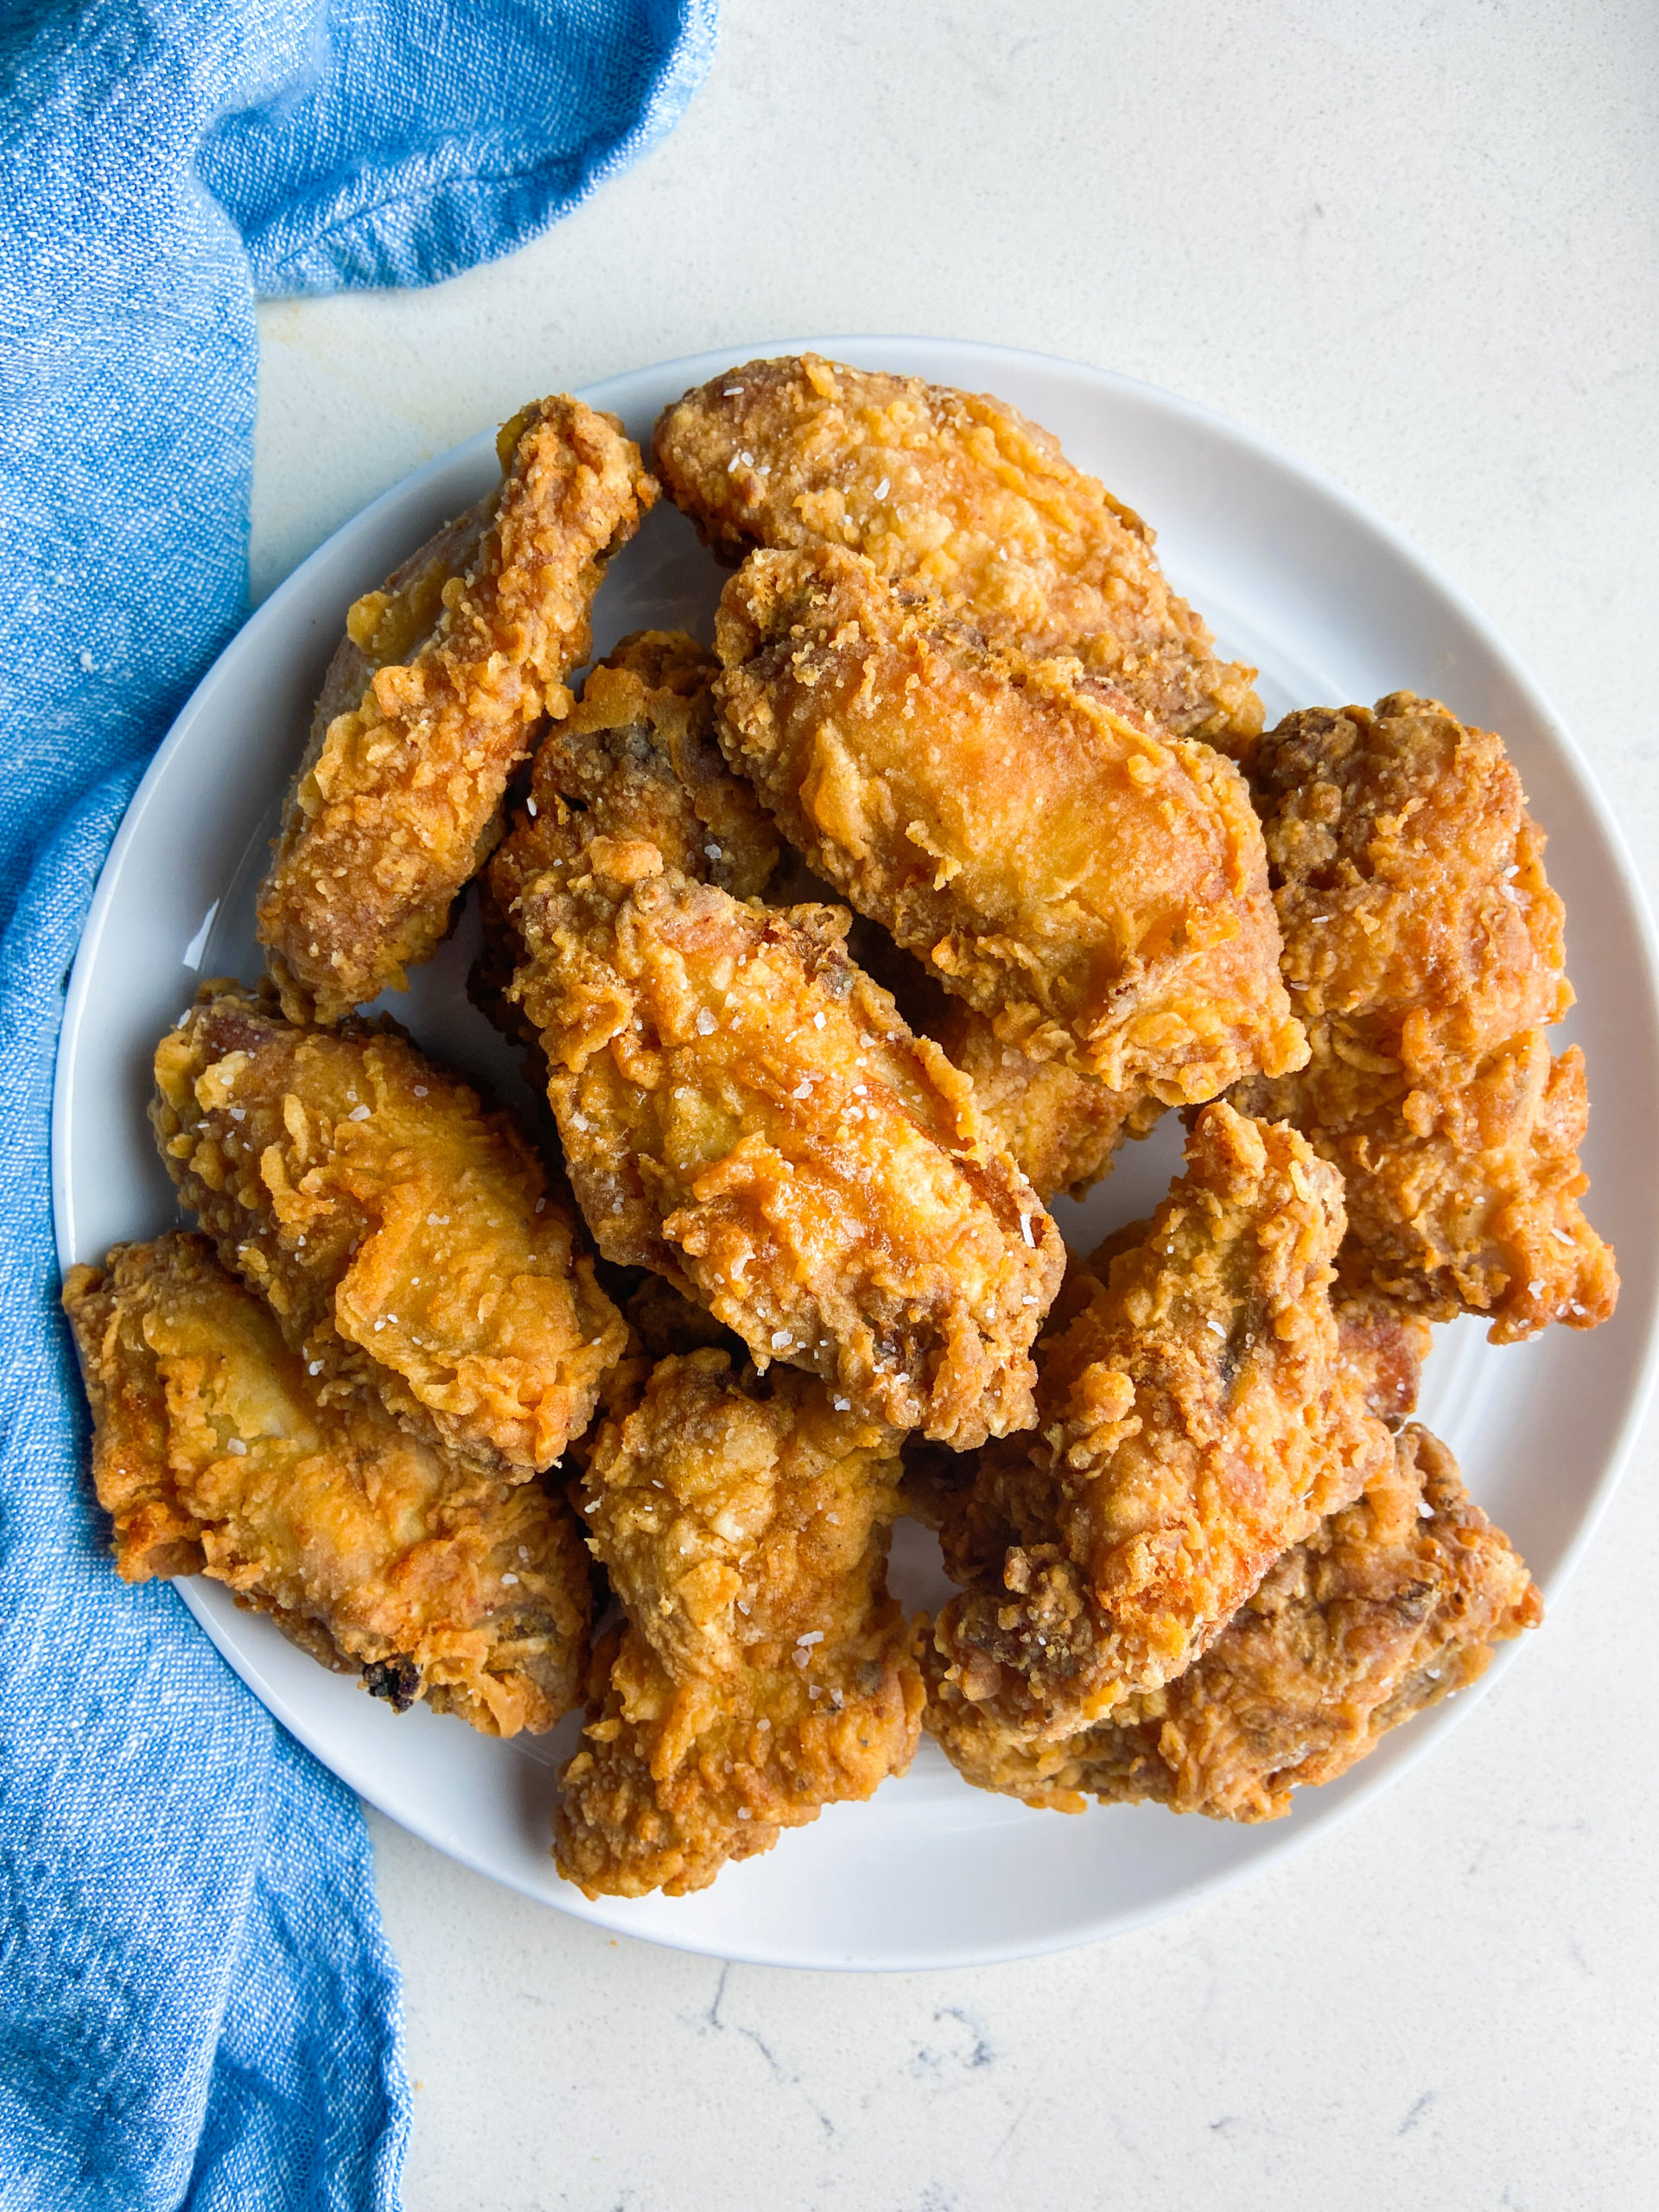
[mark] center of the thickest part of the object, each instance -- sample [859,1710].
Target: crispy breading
[1098,891]
[1196,1418]
[762,1670]
[636,757]
[958,493]
[431,701]
[742,1111]
[404,1237]
[1391,1604]
[215,1454]
[1423,950]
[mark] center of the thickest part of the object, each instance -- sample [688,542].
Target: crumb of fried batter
[1423,951]
[761,1670]
[959,493]
[1391,1604]
[1098,891]
[405,1237]
[636,757]
[1196,1417]
[744,1112]
[215,1454]
[430,701]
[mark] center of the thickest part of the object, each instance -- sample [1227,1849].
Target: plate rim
[1292,1837]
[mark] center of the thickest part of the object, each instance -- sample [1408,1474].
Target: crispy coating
[1196,1417]
[762,1670]
[1098,891]
[1391,1604]
[742,1111]
[431,701]
[1423,950]
[403,1235]
[636,757]
[215,1454]
[960,494]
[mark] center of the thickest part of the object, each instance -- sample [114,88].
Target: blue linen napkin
[197,2005]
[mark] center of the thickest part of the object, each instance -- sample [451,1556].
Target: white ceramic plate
[1333,606]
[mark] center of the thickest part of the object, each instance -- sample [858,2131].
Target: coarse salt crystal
[1216,1326]
[420,1091]
[781,1340]
[742,1812]
[812,1636]
[706,1023]
[315,1367]
[1025,1229]
[714,852]
[1562,1235]
[237,1445]
[530,808]
[818,1020]
[732,392]
[238,1113]
[842,1405]
[804,1088]
[510,1578]
[359,1114]
[1425,1511]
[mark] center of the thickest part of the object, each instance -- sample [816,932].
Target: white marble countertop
[1417,246]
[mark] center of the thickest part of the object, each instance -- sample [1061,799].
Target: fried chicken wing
[216,1454]
[1391,1604]
[1423,950]
[762,1670]
[636,757]
[742,1111]
[1098,891]
[404,1237]
[1196,1418]
[429,703]
[960,494]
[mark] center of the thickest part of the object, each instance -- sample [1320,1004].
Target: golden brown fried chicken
[1196,1418]
[431,700]
[1423,952]
[1391,1604]
[215,1454]
[742,1111]
[403,1235]
[1097,892]
[762,1670]
[958,493]
[636,757]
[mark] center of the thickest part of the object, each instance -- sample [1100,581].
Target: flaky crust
[214,1454]
[762,1670]
[957,493]
[1196,1416]
[397,801]
[403,1235]
[1423,950]
[1391,1605]
[1098,891]
[743,1111]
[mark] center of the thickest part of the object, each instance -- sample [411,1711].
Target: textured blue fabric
[197,2007]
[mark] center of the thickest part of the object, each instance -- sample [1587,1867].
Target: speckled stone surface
[1417,246]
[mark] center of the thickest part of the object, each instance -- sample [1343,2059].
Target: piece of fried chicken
[957,493]
[404,1235]
[743,1111]
[636,757]
[761,1671]
[431,701]
[215,1454]
[1423,950]
[1196,1416]
[1391,1604]
[1097,892]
